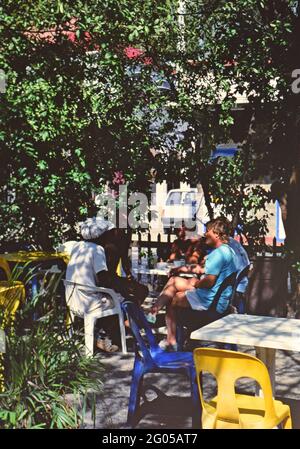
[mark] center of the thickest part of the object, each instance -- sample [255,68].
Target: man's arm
[207,282]
[192,269]
[104,279]
[198,269]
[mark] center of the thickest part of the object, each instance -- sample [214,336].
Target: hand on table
[174,272]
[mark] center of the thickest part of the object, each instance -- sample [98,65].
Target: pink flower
[132,52]
[118,178]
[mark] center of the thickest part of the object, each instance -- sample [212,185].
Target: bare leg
[175,284]
[171,324]
[179,300]
[166,296]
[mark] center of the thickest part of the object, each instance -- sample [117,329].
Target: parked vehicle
[181,207]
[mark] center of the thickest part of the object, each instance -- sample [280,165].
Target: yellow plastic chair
[229,410]
[12,293]
[5,267]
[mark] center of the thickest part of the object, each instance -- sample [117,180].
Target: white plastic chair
[111,306]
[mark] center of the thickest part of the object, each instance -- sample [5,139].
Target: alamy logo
[131,209]
[296,83]
[2,82]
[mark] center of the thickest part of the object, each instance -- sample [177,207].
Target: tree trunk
[290,210]
[205,186]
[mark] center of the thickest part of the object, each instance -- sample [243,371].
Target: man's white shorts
[194,299]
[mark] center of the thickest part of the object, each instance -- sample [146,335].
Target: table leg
[267,356]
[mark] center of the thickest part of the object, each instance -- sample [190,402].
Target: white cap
[94,227]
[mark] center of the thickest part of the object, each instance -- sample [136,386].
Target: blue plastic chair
[150,358]
[241,306]
[194,319]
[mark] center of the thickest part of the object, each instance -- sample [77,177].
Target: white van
[181,205]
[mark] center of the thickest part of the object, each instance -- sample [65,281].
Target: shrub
[44,367]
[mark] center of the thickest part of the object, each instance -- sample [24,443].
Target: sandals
[106,345]
[163,344]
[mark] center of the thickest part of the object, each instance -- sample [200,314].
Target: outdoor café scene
[150,215]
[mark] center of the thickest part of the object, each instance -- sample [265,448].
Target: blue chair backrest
[241,275]
[228,282]
[138,323]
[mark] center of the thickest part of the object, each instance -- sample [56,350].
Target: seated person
[196,251]
[67,247]
[242,261]
[199,294]
[195,258]
[88,267]
[93,262]
[116,245]
[180,245]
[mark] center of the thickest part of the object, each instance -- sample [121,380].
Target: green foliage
[251,48]
[74,113]
[47,377]
[297,267]
[233,196]
[41,369]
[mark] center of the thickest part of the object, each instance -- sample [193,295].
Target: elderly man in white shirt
[87,266]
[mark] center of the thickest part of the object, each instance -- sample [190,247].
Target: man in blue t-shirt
[220,263]
[198,294]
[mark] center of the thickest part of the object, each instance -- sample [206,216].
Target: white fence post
[2,341]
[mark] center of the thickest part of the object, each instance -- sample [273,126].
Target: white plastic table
[159,271]
[152,271]
[266,334]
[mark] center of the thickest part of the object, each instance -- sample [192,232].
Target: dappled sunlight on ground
[168,404]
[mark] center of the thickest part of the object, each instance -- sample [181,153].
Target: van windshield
[174,198]
[189,198]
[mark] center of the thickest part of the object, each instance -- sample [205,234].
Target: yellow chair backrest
[228,367]
[5,267]
[11,295]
